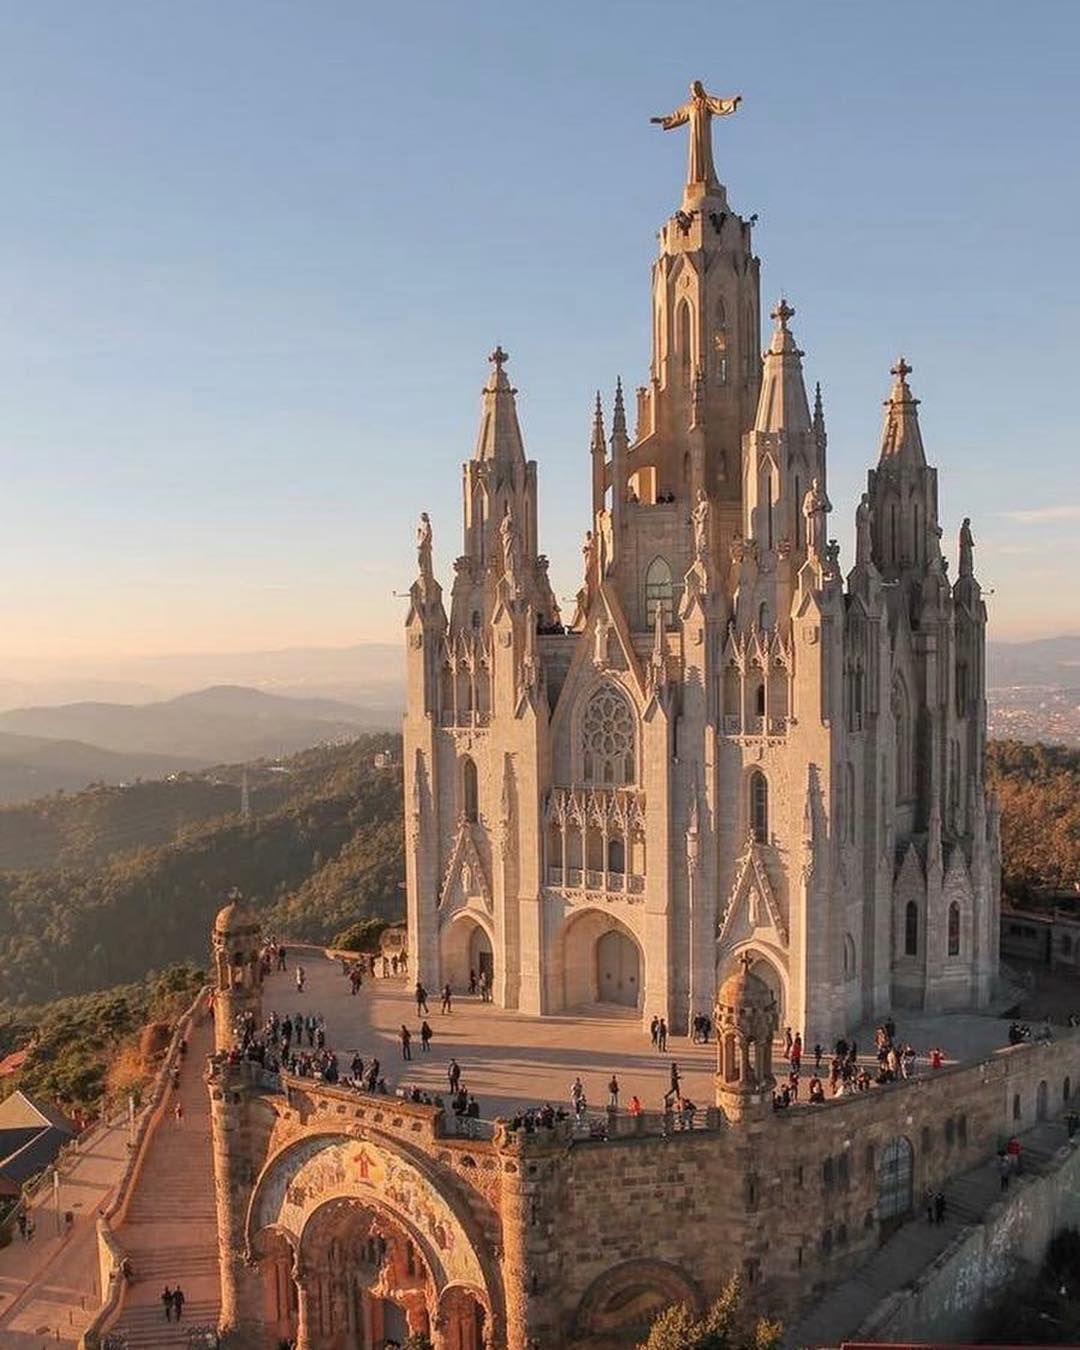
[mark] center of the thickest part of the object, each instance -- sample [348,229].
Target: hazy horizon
[255,259]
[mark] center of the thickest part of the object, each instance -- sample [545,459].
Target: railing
[464,719]
[733,725]
[578,879]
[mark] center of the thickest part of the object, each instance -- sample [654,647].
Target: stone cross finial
[782,313]
[498,357]
[901,370]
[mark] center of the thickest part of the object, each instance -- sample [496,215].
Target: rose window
[608,740]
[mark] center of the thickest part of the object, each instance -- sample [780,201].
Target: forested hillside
[323,848]
[1038,787]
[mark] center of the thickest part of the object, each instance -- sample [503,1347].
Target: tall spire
[618,421]
[598,444]
[500,435]
[782,405]
[819,421]
[598,451]
[901,439]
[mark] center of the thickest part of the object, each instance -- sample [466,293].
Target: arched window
[954,929]
[608,739]
[911,929]
[850,812]
[764,618]
[750,355]
[659,593]
[683,340]
[616,856]
[902,715]
[759,700]
[849,957]
[1017,1110]
[469,789]
[759,806]
[720,343]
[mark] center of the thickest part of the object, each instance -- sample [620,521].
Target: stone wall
[945,1303]
[575,1236]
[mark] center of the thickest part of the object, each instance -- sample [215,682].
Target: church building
[732,748]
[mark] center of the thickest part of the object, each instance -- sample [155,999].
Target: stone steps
[145,1328]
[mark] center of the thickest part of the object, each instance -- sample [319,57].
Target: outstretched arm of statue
[723,107]
[675,119]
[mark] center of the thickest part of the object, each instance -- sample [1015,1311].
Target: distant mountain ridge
[71,745]
[37,766]
[1045,662]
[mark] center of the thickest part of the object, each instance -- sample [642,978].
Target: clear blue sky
[253,256]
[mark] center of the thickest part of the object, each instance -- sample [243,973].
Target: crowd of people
[895,1060]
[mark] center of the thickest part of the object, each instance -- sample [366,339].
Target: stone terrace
[510,1061]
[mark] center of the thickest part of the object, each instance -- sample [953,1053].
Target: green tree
[361,937]
[725,1325]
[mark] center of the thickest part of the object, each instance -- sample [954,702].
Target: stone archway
[620,1305]
[602,962]
[378,1244]
[466,946]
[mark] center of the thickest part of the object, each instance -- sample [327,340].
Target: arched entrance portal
[602,962]
[466,949]
[618,970]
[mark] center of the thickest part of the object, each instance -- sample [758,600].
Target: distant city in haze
[246,330]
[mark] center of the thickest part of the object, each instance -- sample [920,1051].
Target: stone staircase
[170,1232]
[900,1260]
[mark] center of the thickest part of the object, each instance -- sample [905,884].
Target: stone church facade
[731,746]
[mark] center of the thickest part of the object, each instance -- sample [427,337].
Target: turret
[783,460]
[746,1022]
[903,489]
[237,951]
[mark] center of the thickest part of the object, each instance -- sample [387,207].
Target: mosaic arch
[305,1176]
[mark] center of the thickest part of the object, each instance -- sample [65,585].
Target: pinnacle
[598,439]
[901,439]
[618,422]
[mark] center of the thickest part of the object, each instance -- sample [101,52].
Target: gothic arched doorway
[618,969]
[466,950]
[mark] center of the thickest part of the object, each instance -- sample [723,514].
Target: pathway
[170,1232]
[905,1256]
[49,1287]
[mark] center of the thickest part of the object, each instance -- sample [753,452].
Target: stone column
[305,1312]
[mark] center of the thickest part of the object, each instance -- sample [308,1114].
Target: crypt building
[735,744]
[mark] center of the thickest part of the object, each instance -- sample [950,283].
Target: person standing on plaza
[301,976]
[453,1074]
[613,1093]
[178,1302]
[661,1036]
[406,1042]
[654,1032]
[447,995]
[421,999]
[425,1037]
[166,1302]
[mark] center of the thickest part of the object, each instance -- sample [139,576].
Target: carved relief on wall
[307,1175]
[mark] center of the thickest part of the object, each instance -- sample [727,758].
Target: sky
[253,257]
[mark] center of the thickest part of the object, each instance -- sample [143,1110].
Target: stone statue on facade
[815,507]
[699,516]
[862,531]
[967,549]
[508,538]
[699,110]
[423,546]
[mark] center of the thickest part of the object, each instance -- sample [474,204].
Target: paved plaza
[510,1061]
